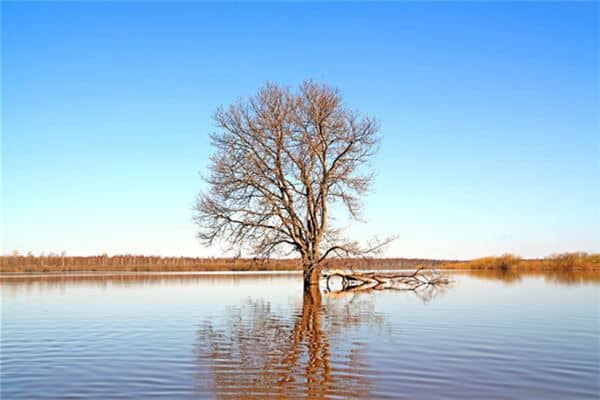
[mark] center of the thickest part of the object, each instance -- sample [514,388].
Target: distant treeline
[63,263]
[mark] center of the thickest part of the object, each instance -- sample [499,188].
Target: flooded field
[255,336]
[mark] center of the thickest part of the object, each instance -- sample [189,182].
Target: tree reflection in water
[259,353]
[262,354]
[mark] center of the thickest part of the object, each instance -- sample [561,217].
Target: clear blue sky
[489,114]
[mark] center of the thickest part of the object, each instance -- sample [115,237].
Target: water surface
[258,336]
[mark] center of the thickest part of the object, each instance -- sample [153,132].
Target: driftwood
[360,281]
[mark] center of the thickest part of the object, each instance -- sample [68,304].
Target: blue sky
[489,113]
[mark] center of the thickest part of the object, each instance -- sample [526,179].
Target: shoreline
[568,262]
[150,272]
[563,276]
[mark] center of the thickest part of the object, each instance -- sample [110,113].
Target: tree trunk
[312,274]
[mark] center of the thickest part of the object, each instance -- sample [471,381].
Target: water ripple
[261,337]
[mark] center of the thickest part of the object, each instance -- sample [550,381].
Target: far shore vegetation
[567,262]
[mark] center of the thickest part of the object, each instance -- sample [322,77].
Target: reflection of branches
[424,283]
[260,353]
[246,356]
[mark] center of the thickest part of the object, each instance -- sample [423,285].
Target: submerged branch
[364,281]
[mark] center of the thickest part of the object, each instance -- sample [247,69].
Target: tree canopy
[281,160]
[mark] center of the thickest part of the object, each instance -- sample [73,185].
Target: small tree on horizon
[281,160]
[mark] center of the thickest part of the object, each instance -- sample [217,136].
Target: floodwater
[258,336]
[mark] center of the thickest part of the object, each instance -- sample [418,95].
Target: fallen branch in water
[359,281]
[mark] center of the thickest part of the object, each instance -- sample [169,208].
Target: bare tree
[282,159]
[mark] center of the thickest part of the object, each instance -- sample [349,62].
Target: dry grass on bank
[130,263]
[134,263]
[559,262]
